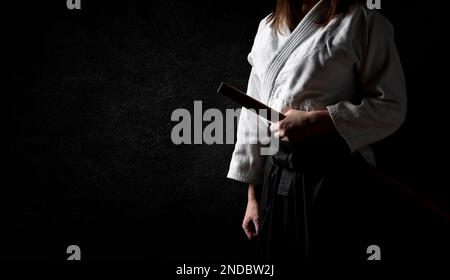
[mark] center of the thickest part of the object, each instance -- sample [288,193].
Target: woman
[332,67]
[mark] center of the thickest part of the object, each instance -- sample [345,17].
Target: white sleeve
[380,106]
[247,162]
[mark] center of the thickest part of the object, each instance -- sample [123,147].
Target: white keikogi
[349,66]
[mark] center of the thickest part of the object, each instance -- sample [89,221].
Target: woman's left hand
[302,125]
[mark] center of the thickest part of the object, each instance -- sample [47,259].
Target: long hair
[289,12]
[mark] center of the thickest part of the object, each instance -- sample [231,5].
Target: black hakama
[310,203]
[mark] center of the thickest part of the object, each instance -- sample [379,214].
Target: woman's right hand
[251,218]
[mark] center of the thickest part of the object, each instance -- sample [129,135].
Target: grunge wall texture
[87,153]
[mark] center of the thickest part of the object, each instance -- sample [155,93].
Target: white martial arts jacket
[349,66]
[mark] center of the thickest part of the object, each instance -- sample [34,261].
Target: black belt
[284,158]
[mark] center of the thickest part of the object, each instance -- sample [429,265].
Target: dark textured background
[87,150]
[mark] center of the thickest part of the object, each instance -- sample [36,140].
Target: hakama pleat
[309,203]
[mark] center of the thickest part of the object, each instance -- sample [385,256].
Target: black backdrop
[87,150]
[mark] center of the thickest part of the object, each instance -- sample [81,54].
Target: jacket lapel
[305,29]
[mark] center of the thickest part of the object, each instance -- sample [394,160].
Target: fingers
[279,125]
[278,130]
[256,225]
[291,128]
[274,127]
[246,228]
[281,135]
[251,227]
